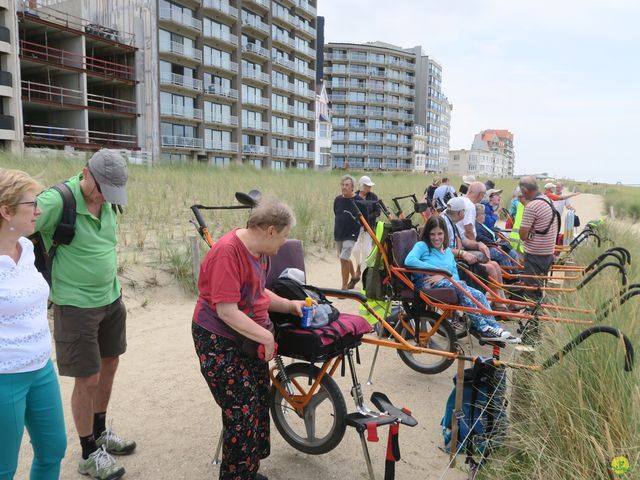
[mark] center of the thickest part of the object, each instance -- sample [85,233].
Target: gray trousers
[536,265]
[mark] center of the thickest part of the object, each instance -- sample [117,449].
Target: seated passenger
[431,252]
[503,255]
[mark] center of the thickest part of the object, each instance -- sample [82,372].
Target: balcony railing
[190,143]
[211,117]
[256,125]
[303,134]
[253,48]
[256,24]
[7,122]
[66,96]
[284,15]
[255,74]
[221,6]
[306,6]
[48,134]
[177,48]
[169,78]
[174,110]
[282,152]
[177,16]
[221,63]
[221,90]
[283,108]
[305,92]
[284,62]
[305,27]
[97,66]
[264,3]
[6,78]
[222,146]
[305,71]
[283,39]
[255,149]
[220,35]
[303,113]
[263,102]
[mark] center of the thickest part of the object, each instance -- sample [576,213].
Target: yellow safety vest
[514,236]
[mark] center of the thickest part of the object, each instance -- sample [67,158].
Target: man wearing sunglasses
[89,315]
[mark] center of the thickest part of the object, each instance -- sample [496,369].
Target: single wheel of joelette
[322,425]
[444,340]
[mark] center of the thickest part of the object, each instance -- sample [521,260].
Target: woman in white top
[29,389]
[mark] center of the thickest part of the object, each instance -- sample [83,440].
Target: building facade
[10,115]
[419,148]
[377,93]
[323,129]
[478,162]
[500,141]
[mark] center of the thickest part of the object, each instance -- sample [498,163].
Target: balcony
[79,138]
[95,66]
[303,92]
[303,113]
[221,146]
[282,85]
[221,6]
[260,101]
[183,51]
[307,7]
[283,108]
[211,117]
[255,25]
[303,134]
[306,28]
[222,63]
[255,75]
[221,35]
[255,49]
[265,3]
[168,78]
[307,72]
[189,143]
[283,61]
[255,149]
[7,122]
[176,16]
[256,125]
[220,90]
[283,40]
[284,15]
[275,130]
[174,110]
[282,152]
[5,37]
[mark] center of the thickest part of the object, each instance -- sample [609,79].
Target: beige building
[419,148]
[477,162]
[10,115]
[500,141]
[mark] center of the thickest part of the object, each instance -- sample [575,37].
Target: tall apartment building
[500,141]
[378,92]
[10,125]
[77,79]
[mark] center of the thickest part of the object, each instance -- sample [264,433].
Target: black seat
[401,244]
[290,255]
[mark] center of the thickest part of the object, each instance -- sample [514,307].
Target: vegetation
[624,200]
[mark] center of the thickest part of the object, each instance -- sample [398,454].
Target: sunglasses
[34,203]
[96,182]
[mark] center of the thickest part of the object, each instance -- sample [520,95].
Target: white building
[323,129]
[478,162]
[419,148]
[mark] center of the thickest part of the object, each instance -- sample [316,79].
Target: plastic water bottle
[307,313]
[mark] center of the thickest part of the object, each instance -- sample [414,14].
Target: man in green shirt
[89,315]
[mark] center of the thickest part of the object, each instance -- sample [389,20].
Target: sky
[563,76]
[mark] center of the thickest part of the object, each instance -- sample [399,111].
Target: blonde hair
[13,185]
[272,212]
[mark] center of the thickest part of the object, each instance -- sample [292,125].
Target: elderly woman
[29,389]
[503,255]
[230,320]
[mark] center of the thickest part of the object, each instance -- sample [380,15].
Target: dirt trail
[162,402]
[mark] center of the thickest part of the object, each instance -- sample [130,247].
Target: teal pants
[32,399]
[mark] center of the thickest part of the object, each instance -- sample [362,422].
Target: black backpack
[63,234]
[292,290]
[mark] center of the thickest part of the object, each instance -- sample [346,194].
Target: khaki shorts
[344,248]
[84,336]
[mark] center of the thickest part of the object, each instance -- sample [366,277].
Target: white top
[469,217]
[25,340]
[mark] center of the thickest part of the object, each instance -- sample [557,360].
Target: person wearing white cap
[88,312]
[491,204]
[368,201]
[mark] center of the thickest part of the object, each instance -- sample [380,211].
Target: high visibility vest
[514,236]
[379,306]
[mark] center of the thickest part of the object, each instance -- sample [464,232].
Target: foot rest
[382,402]
[361,421]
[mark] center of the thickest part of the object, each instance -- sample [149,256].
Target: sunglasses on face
[96,182]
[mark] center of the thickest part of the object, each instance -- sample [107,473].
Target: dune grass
[624,200]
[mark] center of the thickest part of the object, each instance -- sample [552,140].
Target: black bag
[576,221]
[288,288]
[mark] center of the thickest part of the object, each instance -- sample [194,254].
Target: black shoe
[259,476]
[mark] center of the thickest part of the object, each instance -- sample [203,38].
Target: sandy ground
[161,401]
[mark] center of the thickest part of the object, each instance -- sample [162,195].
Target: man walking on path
[346,229]
[538,232]
[89,315]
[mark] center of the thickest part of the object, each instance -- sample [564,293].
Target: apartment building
[419,148]
[323,129]
[478,162]
[77,79]
[377,93]
[500,141]
[10,126]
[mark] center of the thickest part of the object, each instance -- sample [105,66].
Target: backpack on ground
[63,234]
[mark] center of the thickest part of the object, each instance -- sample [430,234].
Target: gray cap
[111,172]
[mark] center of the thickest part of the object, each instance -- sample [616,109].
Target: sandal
[352,283]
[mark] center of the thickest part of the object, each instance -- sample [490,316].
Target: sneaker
[100,466]
[492,334]
[115,444]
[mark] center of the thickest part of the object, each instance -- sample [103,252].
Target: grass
[624,200]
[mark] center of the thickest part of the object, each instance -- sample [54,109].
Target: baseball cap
[456,204]
[550,185]
[110,171]
[493,191]
[467,179]
[365,180]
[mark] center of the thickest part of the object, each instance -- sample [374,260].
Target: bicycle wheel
[444,340]
[322,425]
[459,324]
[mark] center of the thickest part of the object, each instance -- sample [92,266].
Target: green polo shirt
[85,271]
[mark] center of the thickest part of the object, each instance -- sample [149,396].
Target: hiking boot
[101,466]
[115,444]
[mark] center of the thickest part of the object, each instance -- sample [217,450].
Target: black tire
[444,340]
[302,432]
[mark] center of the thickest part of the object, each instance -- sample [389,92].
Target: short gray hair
[528,183]
[350,178]
[480,208]
[272,212]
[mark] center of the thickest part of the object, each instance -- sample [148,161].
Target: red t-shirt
[231,274]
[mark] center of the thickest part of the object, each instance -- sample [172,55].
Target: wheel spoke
[310,422]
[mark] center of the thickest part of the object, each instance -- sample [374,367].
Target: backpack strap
[554,214]
[65,231]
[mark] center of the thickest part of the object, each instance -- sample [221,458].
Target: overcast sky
[563,76]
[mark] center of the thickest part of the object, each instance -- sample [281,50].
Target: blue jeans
[480,321]
[32,399]
[501,257]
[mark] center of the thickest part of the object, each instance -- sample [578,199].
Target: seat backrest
[401,244]
[290,255]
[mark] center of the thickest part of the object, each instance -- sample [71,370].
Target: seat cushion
[444,295]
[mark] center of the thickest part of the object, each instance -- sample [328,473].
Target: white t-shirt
[25,340]
[469,217]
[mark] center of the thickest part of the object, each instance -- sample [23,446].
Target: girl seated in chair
[431,252]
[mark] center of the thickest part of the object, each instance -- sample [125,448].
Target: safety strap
[65,231]
[393,452]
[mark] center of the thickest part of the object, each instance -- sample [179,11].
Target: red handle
[261,350]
